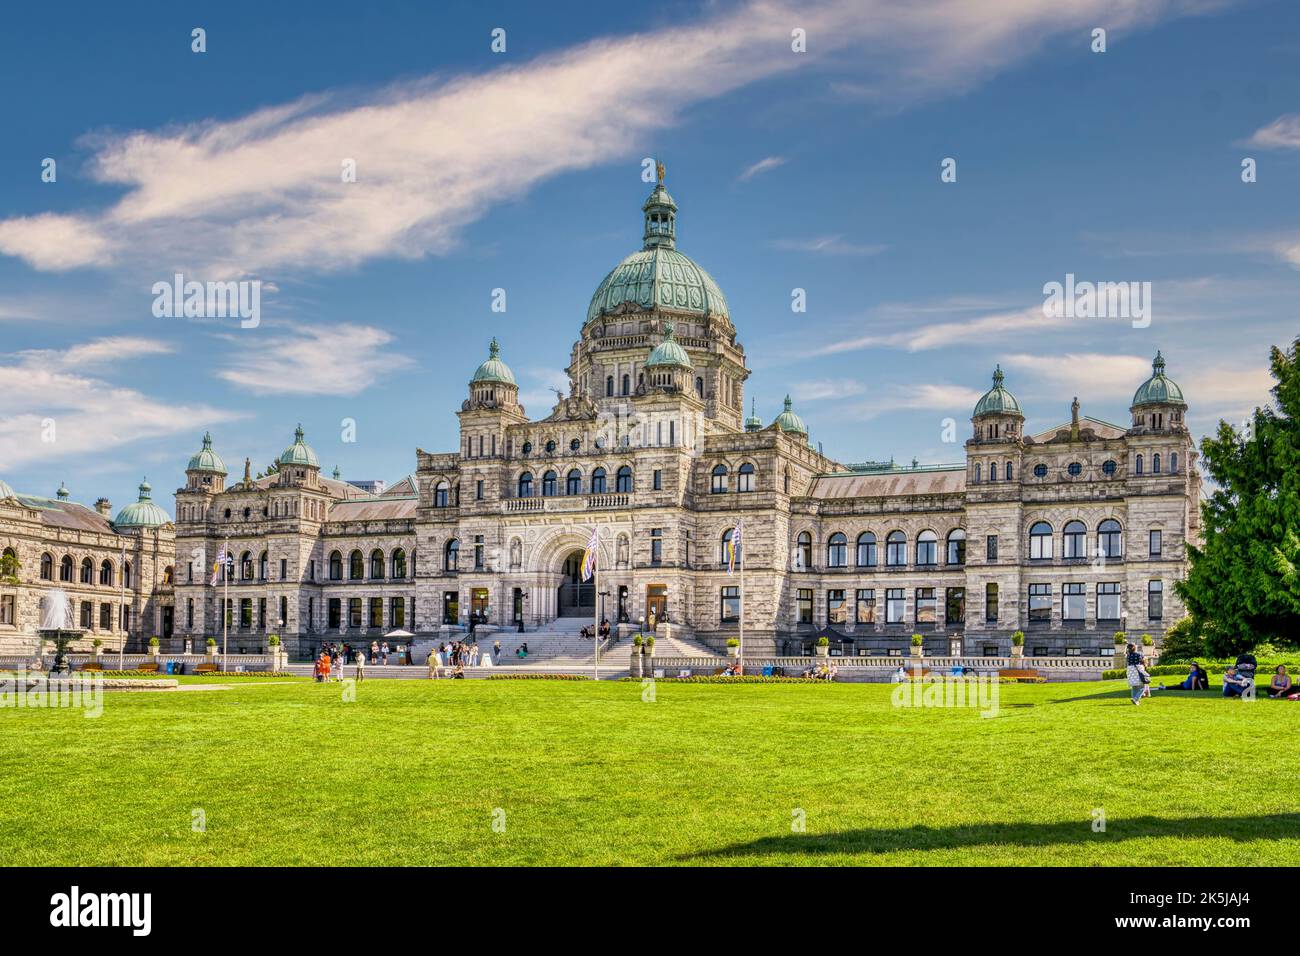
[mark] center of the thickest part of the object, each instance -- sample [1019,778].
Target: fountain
[57,626]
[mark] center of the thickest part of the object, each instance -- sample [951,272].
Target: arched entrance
[576,598]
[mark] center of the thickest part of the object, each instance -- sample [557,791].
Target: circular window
[1108,468]
[528,447]
[1075,469]
[575,445]
[550,447]
[600,443]
[1040,471]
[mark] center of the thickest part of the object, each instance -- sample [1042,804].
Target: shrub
[1183,642]
[917,640]
[1147,641]
[273,640]
[1120,637]
[154,642]
[650,642]
[540,677]
[97,643]
[637,640]
[821,642]
[1018,639]
[211,642]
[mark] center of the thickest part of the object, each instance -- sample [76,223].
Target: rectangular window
[1155,600]
[991,547]
[189,615]
[1155,543]
[1073,602]
[894,604]
[261,612]
[397,612]
[954,606]
[335,614]
[478,552]
[866,606]
[313,569]
[1108,601]
[354,612]
[656,546]
[7,609]
[86,614]
[805,605]
[658,480]
[926,606]
[284,569]
[730,604]
[246,613]
[1040,602]
[376,612]
[836,612]
[311,614]
[990,604]
[478,489]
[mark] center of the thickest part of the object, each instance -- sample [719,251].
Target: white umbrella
[398,633]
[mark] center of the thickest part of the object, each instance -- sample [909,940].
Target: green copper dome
[143,513]
[997,400]
[299,453]
[207,459]
[668,352]
[63,494]
[753,423]
[1158,390]
[6,491]
[494,370]
[788,421]
[659,277]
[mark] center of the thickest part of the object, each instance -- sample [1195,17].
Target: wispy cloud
[264,193]
[314,360]
[1282,133]
[829,245]
[52,393]
[764,165]
[923,336]
[825,389]
[950,400]
[538,392]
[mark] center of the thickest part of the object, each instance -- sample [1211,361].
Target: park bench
[1019,673]
[92,667]
[205,669]
[148,668]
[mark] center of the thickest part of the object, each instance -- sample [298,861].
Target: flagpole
[121,610]
[595,614]
[225,600]
[740,647]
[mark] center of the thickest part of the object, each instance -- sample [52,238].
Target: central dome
[659,277]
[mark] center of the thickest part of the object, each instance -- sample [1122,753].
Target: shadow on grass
[1123,694]
[1270,826]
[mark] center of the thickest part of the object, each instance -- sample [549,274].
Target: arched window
[837,551]
[627,383]
[927,548]
[573,482]
[993,471]
[262,567]
[399,563]
[957,546]
[803,551]
[526,485]
[1074,537]
[126,575]
[1138,466]
[1173,463]
[718,485]
[1155,464]
[609,386]
[87,571]
[866,550]
[1110,539]
[47,567]
[623,479]
[1009,471]
[169,576]
[336,566]
[441,494]
[65,569]
[356,566]
[978,472]
[1040,540]
[745,477]
[598,481]
[548,484]
[451,555]
[724,547]
[699,387]
[106,572]
[246,566]
[376,563]
[895,549]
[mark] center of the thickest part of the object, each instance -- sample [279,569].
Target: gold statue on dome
[659,171]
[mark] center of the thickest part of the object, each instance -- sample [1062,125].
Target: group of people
[826,670]
[1238,680]
[452,659]
[589,630]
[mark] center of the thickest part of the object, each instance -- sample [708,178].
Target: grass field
[412,771]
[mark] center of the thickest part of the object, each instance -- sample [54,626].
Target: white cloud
[951,400]
[764,165]
[538,393]
[825,389]
[1094,377]
[313,360]
[264,193]
[1282,133]
[829,245]
[924,336]
[92,417]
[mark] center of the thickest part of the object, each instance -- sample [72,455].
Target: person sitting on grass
[1196,679]
[1234,685]
[1281,685]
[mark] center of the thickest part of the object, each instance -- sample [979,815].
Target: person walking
[435,665]
[496,652]
[361,666]
[1136,671]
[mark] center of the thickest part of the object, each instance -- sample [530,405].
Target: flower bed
[723,679]
[538,677]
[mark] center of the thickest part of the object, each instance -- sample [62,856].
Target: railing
[608,500]
[525,504]
[568,502]
[892,663]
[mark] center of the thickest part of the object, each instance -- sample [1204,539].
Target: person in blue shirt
[1233,685]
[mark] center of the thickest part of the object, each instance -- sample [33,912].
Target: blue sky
[522,170]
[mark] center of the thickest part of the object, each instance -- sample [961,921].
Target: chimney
[104,508]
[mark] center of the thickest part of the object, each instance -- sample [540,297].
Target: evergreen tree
[1243,587]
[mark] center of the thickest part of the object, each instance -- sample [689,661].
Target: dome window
[1040,471]
[1075,469]
[1108,467]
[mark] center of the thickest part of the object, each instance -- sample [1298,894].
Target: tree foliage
[1243,587]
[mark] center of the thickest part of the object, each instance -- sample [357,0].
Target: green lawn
[411,772]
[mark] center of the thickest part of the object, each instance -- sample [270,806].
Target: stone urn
[635,666]
[733,650]
[1017,650]
[212,653]
[155,651]
[822,650]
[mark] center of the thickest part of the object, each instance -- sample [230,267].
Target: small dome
[6,491]
[997,400]
[142,513]
[788,421]
[753,423]
[299,453]
[1158,390]
[63,494]
[207,459]
[668,352]
[494,370]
